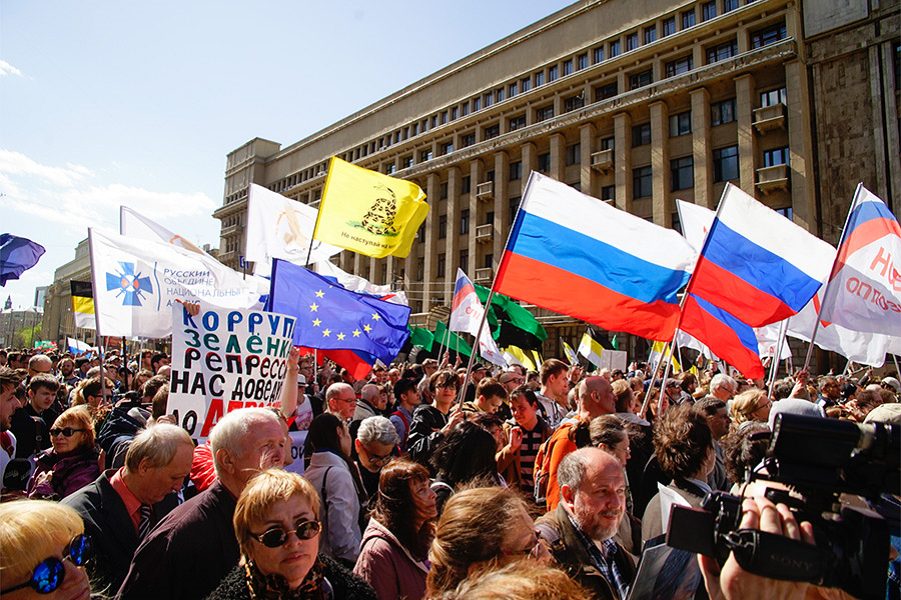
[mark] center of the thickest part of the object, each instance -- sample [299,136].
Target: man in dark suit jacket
[123,504]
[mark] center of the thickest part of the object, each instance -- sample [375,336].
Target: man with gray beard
[580,531]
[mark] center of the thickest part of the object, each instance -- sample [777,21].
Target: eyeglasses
[50,573]
[375,458]
[275,537]
[65,431]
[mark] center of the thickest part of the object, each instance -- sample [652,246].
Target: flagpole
[441,343]
[97,333]
[774,368]
[832,273]
[647,398]
[472,355]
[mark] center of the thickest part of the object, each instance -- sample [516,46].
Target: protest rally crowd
[538,485]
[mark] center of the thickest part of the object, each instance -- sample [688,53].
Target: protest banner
[223,360]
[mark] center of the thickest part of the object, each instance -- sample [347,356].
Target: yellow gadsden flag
[368,212]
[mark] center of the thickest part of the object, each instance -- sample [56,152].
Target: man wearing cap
[478,373]
[891,384]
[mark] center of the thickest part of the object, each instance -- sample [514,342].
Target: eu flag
[331,317]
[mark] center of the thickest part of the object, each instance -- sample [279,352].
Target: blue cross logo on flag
[128,284]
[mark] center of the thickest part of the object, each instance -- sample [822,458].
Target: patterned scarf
[275,586]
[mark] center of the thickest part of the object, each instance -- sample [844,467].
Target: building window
[688,19]
[669,26]
[425,155]
[679,66]
[407,162]
[420,233]
[722,112]
[598,54]
[729,5]
[773,97]
[639,80]
[515,170]
[390,168]
[614,48]
[487,99]
[641,182]
[489,218]
[442,266]
[464,260]
[608,193]
[631,41]
[442,191]
[464,221]
[682,173]
[489,261]
[574,102]
[573,154]
[544,163]
[467,140]
[517,123]
[442,227]
[455,112]
[465,184]
[420,269]
[447,148]
[414,129]
[464,109]
[512,89]
[680,124]
[544,113]
[608,143]
[768,35]
[777,156]
[444,117]
[722,52]
[785,212]
[526,84]
[602,92]
[567,67]
[499,95]
[650,34]
[641,135]
[492,131]
[539,78]
[552,74]
[708,11]
[725,164]
[581,61]
[514,207]
[476,104]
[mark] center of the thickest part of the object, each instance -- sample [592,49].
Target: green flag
[614,343]
[421,337]
[451,341]
[511,324]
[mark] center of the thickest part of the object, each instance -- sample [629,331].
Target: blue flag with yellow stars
[330,317]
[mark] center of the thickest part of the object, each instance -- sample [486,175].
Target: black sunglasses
[50,573]
[275,537]
[66,431]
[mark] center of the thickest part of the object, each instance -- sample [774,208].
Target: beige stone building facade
[634,103]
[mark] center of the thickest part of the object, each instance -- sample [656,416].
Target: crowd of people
[418,482]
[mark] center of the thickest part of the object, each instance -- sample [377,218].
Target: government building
[635,103]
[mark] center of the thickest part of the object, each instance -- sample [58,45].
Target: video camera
[819,459]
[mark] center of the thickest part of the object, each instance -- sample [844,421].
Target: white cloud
[8,69]
[16,163]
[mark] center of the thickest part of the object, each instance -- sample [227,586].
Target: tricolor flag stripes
[576,255]
[466,315]
[756,264]
[732,340]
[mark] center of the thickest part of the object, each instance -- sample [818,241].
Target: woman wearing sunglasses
[42,552]
[71,462]
[278,530]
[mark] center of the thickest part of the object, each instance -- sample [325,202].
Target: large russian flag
[732,340]
[757,265]
[864,291]
[576,255]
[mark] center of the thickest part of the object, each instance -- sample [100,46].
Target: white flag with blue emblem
[136,282]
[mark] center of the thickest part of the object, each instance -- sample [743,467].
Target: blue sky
[110,103]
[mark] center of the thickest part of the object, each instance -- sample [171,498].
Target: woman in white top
[335,478]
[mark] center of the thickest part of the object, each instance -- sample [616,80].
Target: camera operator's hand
[733,582]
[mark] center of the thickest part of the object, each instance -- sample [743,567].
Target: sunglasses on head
[50,573]
[275,537]
[66,431]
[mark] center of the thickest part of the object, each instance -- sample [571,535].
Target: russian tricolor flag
[732,340]
[576,255]
[864,291]
[757,265]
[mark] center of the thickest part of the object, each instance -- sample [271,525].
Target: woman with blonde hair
[42,551]
[71,462]
[278,529]
[750,405]
[480,528]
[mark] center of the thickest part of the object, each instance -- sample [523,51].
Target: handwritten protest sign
[223,360]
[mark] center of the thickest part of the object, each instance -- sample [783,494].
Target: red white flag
[466,314]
